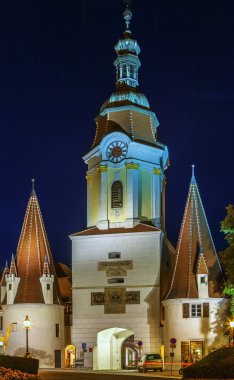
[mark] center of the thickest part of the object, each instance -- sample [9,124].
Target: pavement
[83,374]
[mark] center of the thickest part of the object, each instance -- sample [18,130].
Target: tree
[227,256]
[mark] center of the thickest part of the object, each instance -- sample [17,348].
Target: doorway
[107,354]
[57,358]
[70,355]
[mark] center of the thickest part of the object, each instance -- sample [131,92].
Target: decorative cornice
[132,165]
[88,177]
[157,171]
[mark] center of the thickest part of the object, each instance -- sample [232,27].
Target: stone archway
[107,354]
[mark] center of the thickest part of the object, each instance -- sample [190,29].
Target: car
[150,362]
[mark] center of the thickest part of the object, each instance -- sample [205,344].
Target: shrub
[10,374]
[217,365]
[27,365]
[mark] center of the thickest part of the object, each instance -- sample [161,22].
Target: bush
[217,365]
[10,374]
[27,365]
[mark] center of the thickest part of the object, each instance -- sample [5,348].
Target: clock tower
[116,261]
[125,178]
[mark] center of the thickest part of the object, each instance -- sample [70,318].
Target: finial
[33,189]
[193,176]
[127,14]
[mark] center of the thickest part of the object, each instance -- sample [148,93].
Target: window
[114,255]
[9,286]
[202,280]
[57,330]
[196,310]
[48,286]
[117,194]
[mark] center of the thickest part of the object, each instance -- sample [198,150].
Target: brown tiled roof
[195,251]
[137,125]
[141,227]
[64,275]
[33,247]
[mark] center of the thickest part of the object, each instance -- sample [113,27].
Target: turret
[202,276]
[47,283]
[3,282]
[12,282]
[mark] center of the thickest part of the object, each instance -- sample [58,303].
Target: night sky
[56,70]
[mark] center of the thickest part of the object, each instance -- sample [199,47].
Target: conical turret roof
[32,252]
[195,253]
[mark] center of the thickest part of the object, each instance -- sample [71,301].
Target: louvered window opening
[117,195]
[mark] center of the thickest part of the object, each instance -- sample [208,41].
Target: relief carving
[114,269]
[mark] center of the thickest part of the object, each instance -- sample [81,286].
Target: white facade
[142,320]
[42,340]
[200,330]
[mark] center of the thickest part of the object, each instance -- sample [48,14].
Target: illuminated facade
[117,260]
[124,268]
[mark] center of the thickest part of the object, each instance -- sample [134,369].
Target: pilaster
[132,194]
[89,200]
[103,199]
[156,197]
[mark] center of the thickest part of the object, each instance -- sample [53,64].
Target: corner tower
[125,177]
[31,289]
[116,261]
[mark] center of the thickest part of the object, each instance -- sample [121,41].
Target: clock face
[116,151]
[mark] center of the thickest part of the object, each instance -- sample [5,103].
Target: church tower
[116,260]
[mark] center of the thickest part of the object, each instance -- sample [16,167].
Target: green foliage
[227,256]
[217,365]
[27,365]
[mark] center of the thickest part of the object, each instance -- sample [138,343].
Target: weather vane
[127,14]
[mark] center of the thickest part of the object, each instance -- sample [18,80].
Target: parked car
[150,362]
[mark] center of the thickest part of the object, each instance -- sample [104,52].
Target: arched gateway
[107,353]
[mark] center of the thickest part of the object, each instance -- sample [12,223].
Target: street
[77,374]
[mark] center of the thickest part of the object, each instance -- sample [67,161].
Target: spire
[195,252]
[33,248]
[33,193]
[4,273]
[193,180]
[13,266]
[46,269]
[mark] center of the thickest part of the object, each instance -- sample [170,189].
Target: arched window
[117,194]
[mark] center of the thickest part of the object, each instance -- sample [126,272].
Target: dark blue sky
[56,70]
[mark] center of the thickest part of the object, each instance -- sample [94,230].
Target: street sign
[139,343]
[173,345]
[173,340]
[83,345]
[172,354]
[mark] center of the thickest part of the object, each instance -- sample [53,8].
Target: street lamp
[27,324]
[232,326]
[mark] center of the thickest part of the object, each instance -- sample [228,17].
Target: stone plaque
[113,269]
[97,298]
[114,301]
[133,297]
